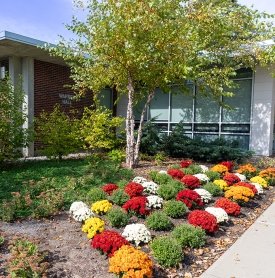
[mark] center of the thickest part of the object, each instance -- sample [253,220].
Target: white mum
[202,177]
[140,180]
[150,187]
[241,177]
[204,168]
[205,195]
[82,214]
[163,172]
[258,187]
[219,213]
[136,233]
[76,206]
[154,201]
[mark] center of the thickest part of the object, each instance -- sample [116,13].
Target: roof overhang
[12,44]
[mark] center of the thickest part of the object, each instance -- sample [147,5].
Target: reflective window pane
[159,106]
[105,98]
[243,140]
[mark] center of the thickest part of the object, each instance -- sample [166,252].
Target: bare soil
[70,254]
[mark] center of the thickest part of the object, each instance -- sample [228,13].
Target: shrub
[101,207]
[96,194]
[167,191]
[134,189]
[213,188]
[117,217]
[92,226]
[239,194]
[108,242]
[119,197]
[203,219]
[230,207]
[138,263]
[175,173]
[188,235]
[175,209]
[122,183]
[160,158]
[192,169]
[109,188]
[190,198]
[117,155]
[159,221]
[160,178]
[231,178]
[213,175]
[137,205]
[167,251]
[191,181]
[176,184]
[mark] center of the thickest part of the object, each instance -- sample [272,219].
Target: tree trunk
[139,135]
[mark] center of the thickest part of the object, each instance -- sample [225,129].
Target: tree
[13,137]
[138,46]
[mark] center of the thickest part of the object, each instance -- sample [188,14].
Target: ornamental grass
[93,226]
[230,207]
[129,262]
[240,194]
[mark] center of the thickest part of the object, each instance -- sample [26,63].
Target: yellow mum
[92,226]
[101,207]
[222,184]
[219,168]
[259,180]
[239,193]
[129,262]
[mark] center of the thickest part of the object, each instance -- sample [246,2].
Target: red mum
[231,178]
[108,242]
[230,207]
[185,163]
[228,164]
[133,189]
[191,181]
[190,198]
[109,188]
[203,219]
[248,185]
[137,205]
[175,173]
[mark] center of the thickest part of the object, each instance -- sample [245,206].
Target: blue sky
[45,19]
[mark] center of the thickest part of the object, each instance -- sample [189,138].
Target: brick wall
[49,82]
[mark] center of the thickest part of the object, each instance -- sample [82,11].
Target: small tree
[138,46]
[13,137]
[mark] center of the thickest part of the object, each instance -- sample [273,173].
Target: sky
[45,19]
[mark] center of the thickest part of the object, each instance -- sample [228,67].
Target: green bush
[213,188]
[175,209]
[192,170]
[160,157]
[159,221]
[96,194]
[188,235]
[167,191]
[212,175]
[160,178]
[121,184]
[117,155]
[167,251]
[174,166]
[12,117]
[117,217]
[176,184]
[119,197]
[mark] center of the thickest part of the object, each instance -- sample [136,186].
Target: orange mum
[239,193]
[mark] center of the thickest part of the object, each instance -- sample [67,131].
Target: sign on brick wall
[66,99]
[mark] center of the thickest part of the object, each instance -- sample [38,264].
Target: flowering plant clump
[204,168]
[247,170]
[76,206]
[101,207]
[185,163]
[137,233]
[239,194]
[108,242]
[109,188]
[150,187]
[191,181]
[268,174]
[202,177]
[240,176]
[231,178]
[230,207]
[140,180]
[129,262]
[154,201]
[190,198]
[258,187]
[163,172]
[134,189]
[219,213]
[82,214]
[203,219]
[260,181]
[228,164]
[205,195]
[92,226]
[222,184]
[220,169]
[248,185]
[175,174]
[137,205]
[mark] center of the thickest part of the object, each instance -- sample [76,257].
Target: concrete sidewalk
[252,255]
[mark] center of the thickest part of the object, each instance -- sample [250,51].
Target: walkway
[252,255]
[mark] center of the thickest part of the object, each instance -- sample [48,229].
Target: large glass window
[159,106]
[105,98]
